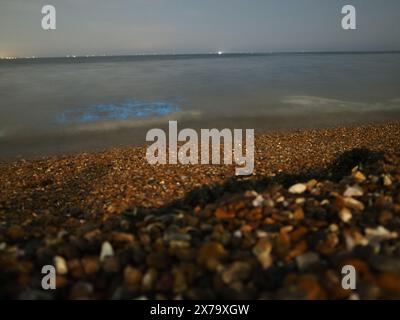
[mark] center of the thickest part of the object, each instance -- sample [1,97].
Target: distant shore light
[220,52]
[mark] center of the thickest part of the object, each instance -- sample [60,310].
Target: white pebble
[387,182]
[61,265]
[106,250]
[258,201]
[345,215]
[298,188]
[353,192]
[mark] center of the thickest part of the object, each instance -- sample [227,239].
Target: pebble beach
[116,227]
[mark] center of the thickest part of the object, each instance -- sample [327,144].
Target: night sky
[195,26]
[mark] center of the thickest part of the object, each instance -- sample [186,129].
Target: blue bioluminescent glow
[120,111]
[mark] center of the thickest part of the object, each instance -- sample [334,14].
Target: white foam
[321,104]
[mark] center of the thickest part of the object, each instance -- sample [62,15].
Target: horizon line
[216,53]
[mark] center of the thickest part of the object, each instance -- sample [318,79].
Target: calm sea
[60,105]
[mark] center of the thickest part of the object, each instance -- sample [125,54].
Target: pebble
[211,254]
[106,251]
[15,233]
[60,265]
[345,215]
[353,204]
[311,184]
[122,237]
[237,271]
[111,264]
[91,265]
[353,192]
[333,227]
[307,260]
[132,276]
[149,279]
[237,234]
[258,201]
[223,214]
[387,181]
[228,244]
[298,214]
[359,176]
[75,268]
[262,250]
[298,188]
[379,234]
[180,283]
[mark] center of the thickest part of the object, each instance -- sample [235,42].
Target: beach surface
[116,227]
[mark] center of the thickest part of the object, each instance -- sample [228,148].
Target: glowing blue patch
[121,111]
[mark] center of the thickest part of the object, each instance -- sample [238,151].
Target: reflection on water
[121,111]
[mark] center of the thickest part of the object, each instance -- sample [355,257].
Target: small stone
[149,279]
[389,282]
[75,268]
[379,234]
[223,214]
[132,276]
[298,214]
[180,284]
[61,281]
[325,202]
[258,201]
[385,217]
[237,234]
[261,234]
[15,233]
[307,260]
[353,192]
[311,184]
[333,227]
[122,237]
[345,215]
[359,176]
[354,297]
[280,199]
[111,265]
[106,251]
[60,265]
[92,235]
[353,204]
[237,271]
[158,260]
[90,265]
[176,236]
[353,239]
[300,200]
[298,188]
[387,181]
[298,249]
[211,254]
[311,288]
[262,250]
